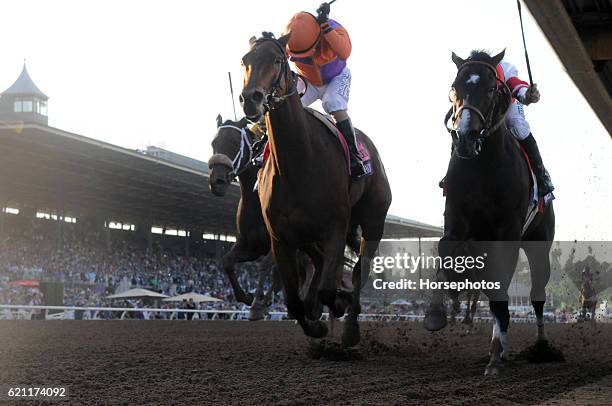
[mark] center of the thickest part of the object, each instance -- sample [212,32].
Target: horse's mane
[265,36]
[481,55]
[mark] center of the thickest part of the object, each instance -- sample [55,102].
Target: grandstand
[69,176]
[81,218]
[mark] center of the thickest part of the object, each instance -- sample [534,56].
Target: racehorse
[308,200]
[588,295]
[488,193]
[232,153]
[472,298]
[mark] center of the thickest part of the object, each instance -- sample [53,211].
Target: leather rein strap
[486,131]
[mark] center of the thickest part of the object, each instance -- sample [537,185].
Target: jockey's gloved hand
[532,95]
[323,13]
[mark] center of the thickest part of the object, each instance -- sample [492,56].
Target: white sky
[136,73]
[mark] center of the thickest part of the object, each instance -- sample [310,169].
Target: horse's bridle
[274,99]
[245,144]
[486,130]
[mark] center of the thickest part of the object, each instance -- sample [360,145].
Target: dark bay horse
[488,189]
[232,153]
[307,198]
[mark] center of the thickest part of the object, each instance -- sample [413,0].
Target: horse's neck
[247,182]
[494,148]
[290,148]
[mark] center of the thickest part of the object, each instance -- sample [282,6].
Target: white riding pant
[515,120]
[334,95]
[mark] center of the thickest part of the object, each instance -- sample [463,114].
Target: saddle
[362,150]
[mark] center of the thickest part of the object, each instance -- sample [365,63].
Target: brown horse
[232,153]
[307,198]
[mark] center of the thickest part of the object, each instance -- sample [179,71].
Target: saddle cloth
[362,150]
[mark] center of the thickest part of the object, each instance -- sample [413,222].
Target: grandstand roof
[47,168]
[580,31]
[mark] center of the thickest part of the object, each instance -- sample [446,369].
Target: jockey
[519,127]
[319,48]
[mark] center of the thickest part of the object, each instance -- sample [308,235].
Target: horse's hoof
[350,335]
[257,312]
[435,319]
[315,329]
[493,369]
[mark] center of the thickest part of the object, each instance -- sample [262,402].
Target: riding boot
[545,185]
[347,130]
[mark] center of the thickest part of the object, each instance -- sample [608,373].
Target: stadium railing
[26,312]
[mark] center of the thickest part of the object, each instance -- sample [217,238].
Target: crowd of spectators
[90,268]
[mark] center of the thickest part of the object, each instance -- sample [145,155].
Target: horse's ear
[458,61]
[242,122]
[498,58]
[284,40]
[219,120]
[252,40]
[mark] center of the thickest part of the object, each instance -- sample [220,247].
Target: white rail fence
[27,312]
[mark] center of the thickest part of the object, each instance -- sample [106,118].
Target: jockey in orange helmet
[319,48]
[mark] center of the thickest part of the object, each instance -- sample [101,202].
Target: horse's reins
[486,131]
[245,144]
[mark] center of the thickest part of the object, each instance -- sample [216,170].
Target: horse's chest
[283,215]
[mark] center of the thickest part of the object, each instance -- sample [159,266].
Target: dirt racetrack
[202,362]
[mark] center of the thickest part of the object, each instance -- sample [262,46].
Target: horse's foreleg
[500,336]
[372,233]
[261,302]
[501,262]
[539,262]
[234,256]
[309,288]
[329,287]
[472,308]
[286,262]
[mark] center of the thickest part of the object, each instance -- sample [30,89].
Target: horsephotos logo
[404,263]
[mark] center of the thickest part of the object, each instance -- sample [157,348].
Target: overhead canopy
[580,31]
[136,293]
[61,172]
[51,169]
[196,297]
